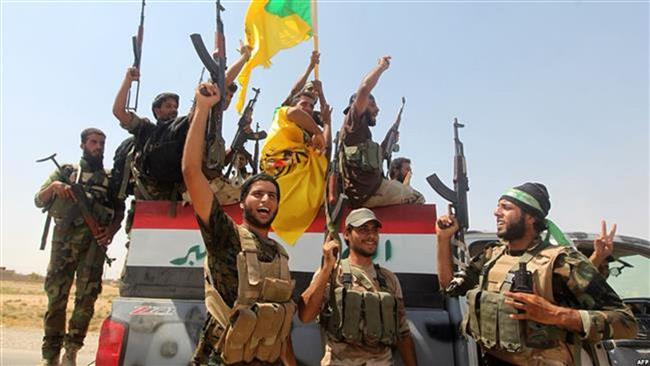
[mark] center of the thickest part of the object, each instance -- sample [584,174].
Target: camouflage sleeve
[220,233]
[467,278]
[603,313]
[52,178]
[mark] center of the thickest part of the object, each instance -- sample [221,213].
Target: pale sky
[550,91]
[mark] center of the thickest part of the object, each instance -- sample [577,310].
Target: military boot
[70,356]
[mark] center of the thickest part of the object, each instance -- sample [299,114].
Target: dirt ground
[24,304]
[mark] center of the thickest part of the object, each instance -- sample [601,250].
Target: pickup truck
[160,311]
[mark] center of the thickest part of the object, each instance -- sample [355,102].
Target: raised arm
[446,226]
[311,300]
[368,83]
[119,111]
[302,80]
[307,123]
[196,182]
[234,69]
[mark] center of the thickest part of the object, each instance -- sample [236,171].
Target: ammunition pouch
[488,316]
[258,325]
[361,317]
[366,156]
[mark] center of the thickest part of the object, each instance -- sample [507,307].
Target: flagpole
[314,25]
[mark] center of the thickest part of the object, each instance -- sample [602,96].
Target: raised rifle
[216,66]
[457,197]
[81,200]
[256,154]
[391,141]
[336,198]
[137,58]
[241,136]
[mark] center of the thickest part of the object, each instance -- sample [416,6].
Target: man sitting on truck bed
[363,179]
[531,302]
[248,283]
[363,313]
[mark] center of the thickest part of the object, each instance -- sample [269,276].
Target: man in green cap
[74,249]
[531,302]
[360,304]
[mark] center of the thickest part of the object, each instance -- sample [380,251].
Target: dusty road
[22,346]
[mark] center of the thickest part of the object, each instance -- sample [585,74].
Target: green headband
[552,229]
[525,198]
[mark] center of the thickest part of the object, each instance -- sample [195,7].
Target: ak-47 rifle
[457,197]
[216,66]
[81,200]
[137,59]
[241,136]
[336,198]
[256,154]
[391,141]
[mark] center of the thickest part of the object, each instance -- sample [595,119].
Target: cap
[360,216]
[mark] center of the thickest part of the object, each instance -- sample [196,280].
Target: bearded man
[567,304]
[248,283]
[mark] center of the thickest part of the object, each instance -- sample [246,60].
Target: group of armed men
[358,303]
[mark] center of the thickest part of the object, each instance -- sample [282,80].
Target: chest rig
[358,312]
[258,324]
[488,317]
[95,185]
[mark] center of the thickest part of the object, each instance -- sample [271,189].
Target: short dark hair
[91,131]
[539,224]
[160,99]
[246,187]
[396,165]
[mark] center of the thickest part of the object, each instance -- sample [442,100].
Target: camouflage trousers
[71,253]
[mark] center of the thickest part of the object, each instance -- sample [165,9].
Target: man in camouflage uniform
[74,249]
[570,304]
[362,237]
[227,244]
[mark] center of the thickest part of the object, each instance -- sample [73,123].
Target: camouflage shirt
[576,284]
[222,243]
[341,353]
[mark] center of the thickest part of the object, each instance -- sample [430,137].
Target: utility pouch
[511,331]
[372,318]
[543,336]
[471,321]
[243,323]
[331,318]
[277,290]
[352,301]
[389,317]
[270,318]
[366,155]
[489,317]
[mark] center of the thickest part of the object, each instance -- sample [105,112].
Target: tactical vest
[366,156]
[488,317]
[258,324]
[95,184]
[362,317]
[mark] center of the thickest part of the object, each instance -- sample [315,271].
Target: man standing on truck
[248,283]
[74,249]
[360,303]
[363,179]
[531,302]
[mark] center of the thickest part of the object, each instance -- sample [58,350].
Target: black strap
[380,278]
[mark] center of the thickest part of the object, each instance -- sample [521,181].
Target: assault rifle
[391,141]
[256,153]
[457,197]
[216,66]
[336,198]
[137,58]
[241,136]
[81,200]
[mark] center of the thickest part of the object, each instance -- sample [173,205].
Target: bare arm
[311,300]
[302,80]
[446,227]
[119,110]
[406,349]
[234,69]
[196,182]
[368,83]
[326,116]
